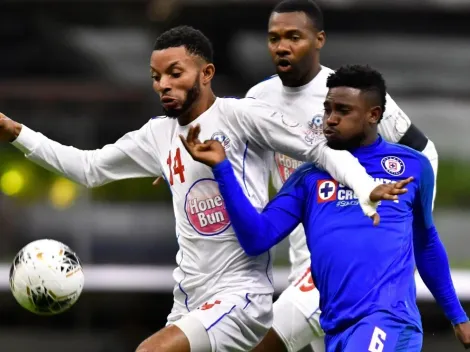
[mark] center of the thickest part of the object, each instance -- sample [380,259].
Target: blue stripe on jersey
[220,318]
[269,77]
[244,166]
[180,286]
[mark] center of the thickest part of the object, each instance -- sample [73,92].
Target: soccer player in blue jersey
[365,274]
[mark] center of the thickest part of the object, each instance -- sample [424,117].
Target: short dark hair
[309,7]
[195,42]
[361,77]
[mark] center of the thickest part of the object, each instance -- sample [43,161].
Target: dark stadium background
[78,72]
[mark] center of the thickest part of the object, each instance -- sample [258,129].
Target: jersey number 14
[176,166]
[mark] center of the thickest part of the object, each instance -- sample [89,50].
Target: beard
[289,78]
[346,144]
[191,96]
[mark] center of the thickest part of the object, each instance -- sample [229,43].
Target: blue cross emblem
[326,189]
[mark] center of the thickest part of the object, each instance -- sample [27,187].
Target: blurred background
[78,72]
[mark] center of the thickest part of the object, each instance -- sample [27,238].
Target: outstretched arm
[431,258]
[129,157]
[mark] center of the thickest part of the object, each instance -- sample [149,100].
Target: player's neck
[364,145]
[370,139]
[306,79]
[199,107]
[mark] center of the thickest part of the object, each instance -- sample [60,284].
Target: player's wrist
[459,320]
[221,164]
[27,140]
[15,130]
[364,193]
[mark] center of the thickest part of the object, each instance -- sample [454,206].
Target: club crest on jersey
[222,138]
[393,165]
[326,191]
[315,128]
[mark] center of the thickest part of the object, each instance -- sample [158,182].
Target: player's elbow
[93,183]
[253,252]
[86,182]
[253,249]
[252,238]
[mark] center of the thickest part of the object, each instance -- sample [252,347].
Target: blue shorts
[379,332]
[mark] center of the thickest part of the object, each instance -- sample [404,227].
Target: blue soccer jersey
[359,269]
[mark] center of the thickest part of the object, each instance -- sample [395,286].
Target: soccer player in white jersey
[295,38]
[223,298]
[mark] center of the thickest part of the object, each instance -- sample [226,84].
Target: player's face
[348,117]
[176,79]
[293,43]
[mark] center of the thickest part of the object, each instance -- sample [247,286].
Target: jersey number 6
[176,166]
[377,341]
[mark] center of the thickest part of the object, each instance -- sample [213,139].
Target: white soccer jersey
[209,257]
[306,105]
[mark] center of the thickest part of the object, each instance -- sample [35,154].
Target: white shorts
[297,315]
[233,323]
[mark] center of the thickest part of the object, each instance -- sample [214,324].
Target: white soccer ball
[46,277]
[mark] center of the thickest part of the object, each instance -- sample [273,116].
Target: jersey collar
[367,149]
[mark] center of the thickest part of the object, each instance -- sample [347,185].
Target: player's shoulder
[245,104]
[161,119]
[404,155]
[161,124]
[266,86]
[403,150]
[306,173]
[328,71]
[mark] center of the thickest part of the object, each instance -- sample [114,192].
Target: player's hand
[389,191]
[210,152]
[9,129]
[462,331]
[157,181]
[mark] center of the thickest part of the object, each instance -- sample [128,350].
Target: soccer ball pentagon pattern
[46,277]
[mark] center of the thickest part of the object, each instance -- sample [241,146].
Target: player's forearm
[64,160]
[88,168]
[254,231]
[433,267]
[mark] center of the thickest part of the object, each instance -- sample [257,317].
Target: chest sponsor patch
[205,208]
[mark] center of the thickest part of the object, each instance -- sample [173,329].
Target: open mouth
[169,102]
[284,65]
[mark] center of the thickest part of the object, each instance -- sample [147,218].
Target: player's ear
[320,40]
[208,71]
[374,114]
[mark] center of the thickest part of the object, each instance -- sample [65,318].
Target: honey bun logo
[331,191]
[286,165]
[205,208]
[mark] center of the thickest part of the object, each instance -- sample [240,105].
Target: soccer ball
[46,277]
